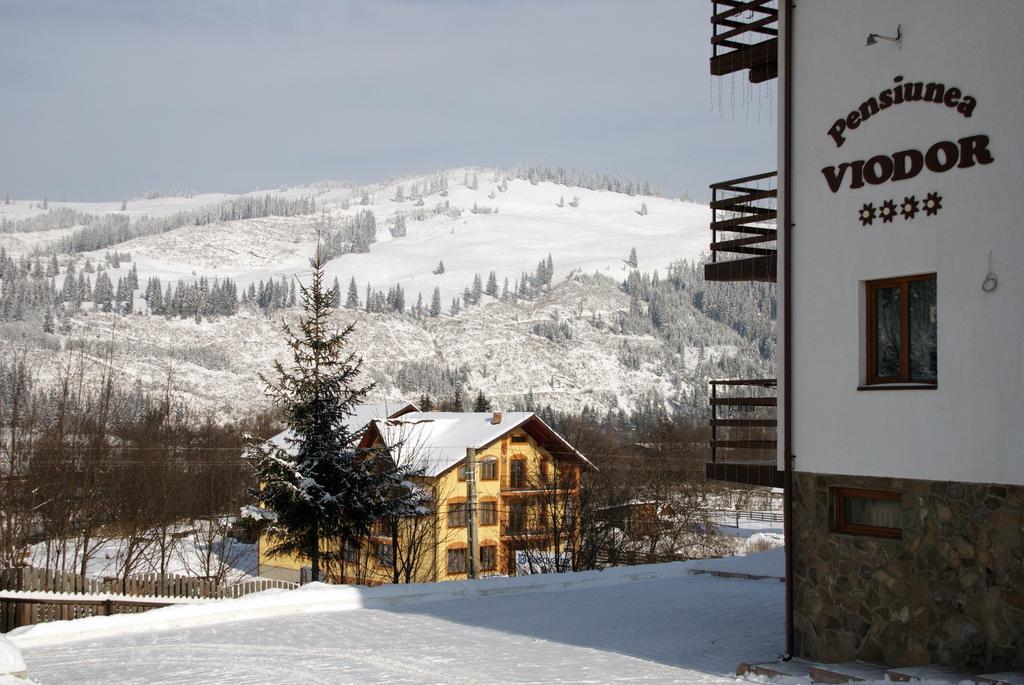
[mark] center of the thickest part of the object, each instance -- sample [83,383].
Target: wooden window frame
[873,380]
[448,560]
[483,566]
[379,558]
[841,526]
[460,502]
[480,511]
[489,465]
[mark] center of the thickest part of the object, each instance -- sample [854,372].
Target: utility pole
[473,531]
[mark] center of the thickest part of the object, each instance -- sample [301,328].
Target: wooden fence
[74,600]
[725,517]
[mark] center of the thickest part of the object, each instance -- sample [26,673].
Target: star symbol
[888,211]
[932,204]
[909,207]
[867,214]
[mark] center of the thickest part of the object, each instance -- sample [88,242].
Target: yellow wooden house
[527,494]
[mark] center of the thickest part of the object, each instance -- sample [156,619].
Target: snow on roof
[436,441]
[362,415]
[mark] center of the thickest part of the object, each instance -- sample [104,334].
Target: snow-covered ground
[655,624]
[663,623]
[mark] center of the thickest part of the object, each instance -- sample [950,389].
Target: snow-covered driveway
[653,624]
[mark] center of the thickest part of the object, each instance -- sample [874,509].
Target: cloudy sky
[107,99]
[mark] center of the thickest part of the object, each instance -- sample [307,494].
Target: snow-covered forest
[542,288]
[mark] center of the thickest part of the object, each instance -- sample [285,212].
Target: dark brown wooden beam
[761,269]
[765,474]
[750,57]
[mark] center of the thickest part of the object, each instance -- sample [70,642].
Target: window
[519,438]
[350,554]
[488,558]
[456,561]
[488,513]
[384,553]
[489,469]
[517,514]
[458,514]
[517,474]
[868,512]
[902,330]
[381,528]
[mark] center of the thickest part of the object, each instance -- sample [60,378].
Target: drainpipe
[786,8]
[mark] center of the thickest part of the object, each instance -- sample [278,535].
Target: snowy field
[655,624]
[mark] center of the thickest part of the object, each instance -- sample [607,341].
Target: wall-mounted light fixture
[898,38]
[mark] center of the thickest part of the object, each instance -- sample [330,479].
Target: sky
[109,99]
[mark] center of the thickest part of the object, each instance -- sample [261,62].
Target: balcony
[521,483]
[743,229]
[745,35]
[743,432]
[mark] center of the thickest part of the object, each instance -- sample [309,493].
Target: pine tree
[455,307]
[440,268]
[352,299]
[48,321]
[492,284]
[319,487]
[477,291]
[643,209]
[632,262]
[336,290]
[399,230]
[481,403]
[435,302]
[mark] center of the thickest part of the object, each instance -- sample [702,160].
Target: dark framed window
[384,553]
[517,473]
[488,558]
[458,514]
[868,512]
[489,469]
[517,517]
[488,513]
[518,438]
[902,330]
[350,554]
[457,560]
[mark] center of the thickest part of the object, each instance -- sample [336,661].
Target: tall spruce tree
[319,487]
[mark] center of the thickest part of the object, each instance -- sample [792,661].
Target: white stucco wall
[971,428]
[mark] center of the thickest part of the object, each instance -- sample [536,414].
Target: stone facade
[951,591]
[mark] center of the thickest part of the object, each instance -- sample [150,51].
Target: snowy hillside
[563,342]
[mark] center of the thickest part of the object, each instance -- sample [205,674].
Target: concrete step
[847,672]
[796,668]
[1007,678]
[907,674]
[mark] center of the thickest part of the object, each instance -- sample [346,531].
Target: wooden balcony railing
[744,431]
[744,35]
[525,484]
[744,229]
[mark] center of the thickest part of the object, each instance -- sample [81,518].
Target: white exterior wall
[971,427]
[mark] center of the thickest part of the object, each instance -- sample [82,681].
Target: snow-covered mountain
[578,340]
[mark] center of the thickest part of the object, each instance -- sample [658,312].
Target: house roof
[362,415]
[437,441]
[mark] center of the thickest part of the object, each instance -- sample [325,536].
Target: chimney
[495,418]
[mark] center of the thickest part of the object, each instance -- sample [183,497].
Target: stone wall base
[950,591]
